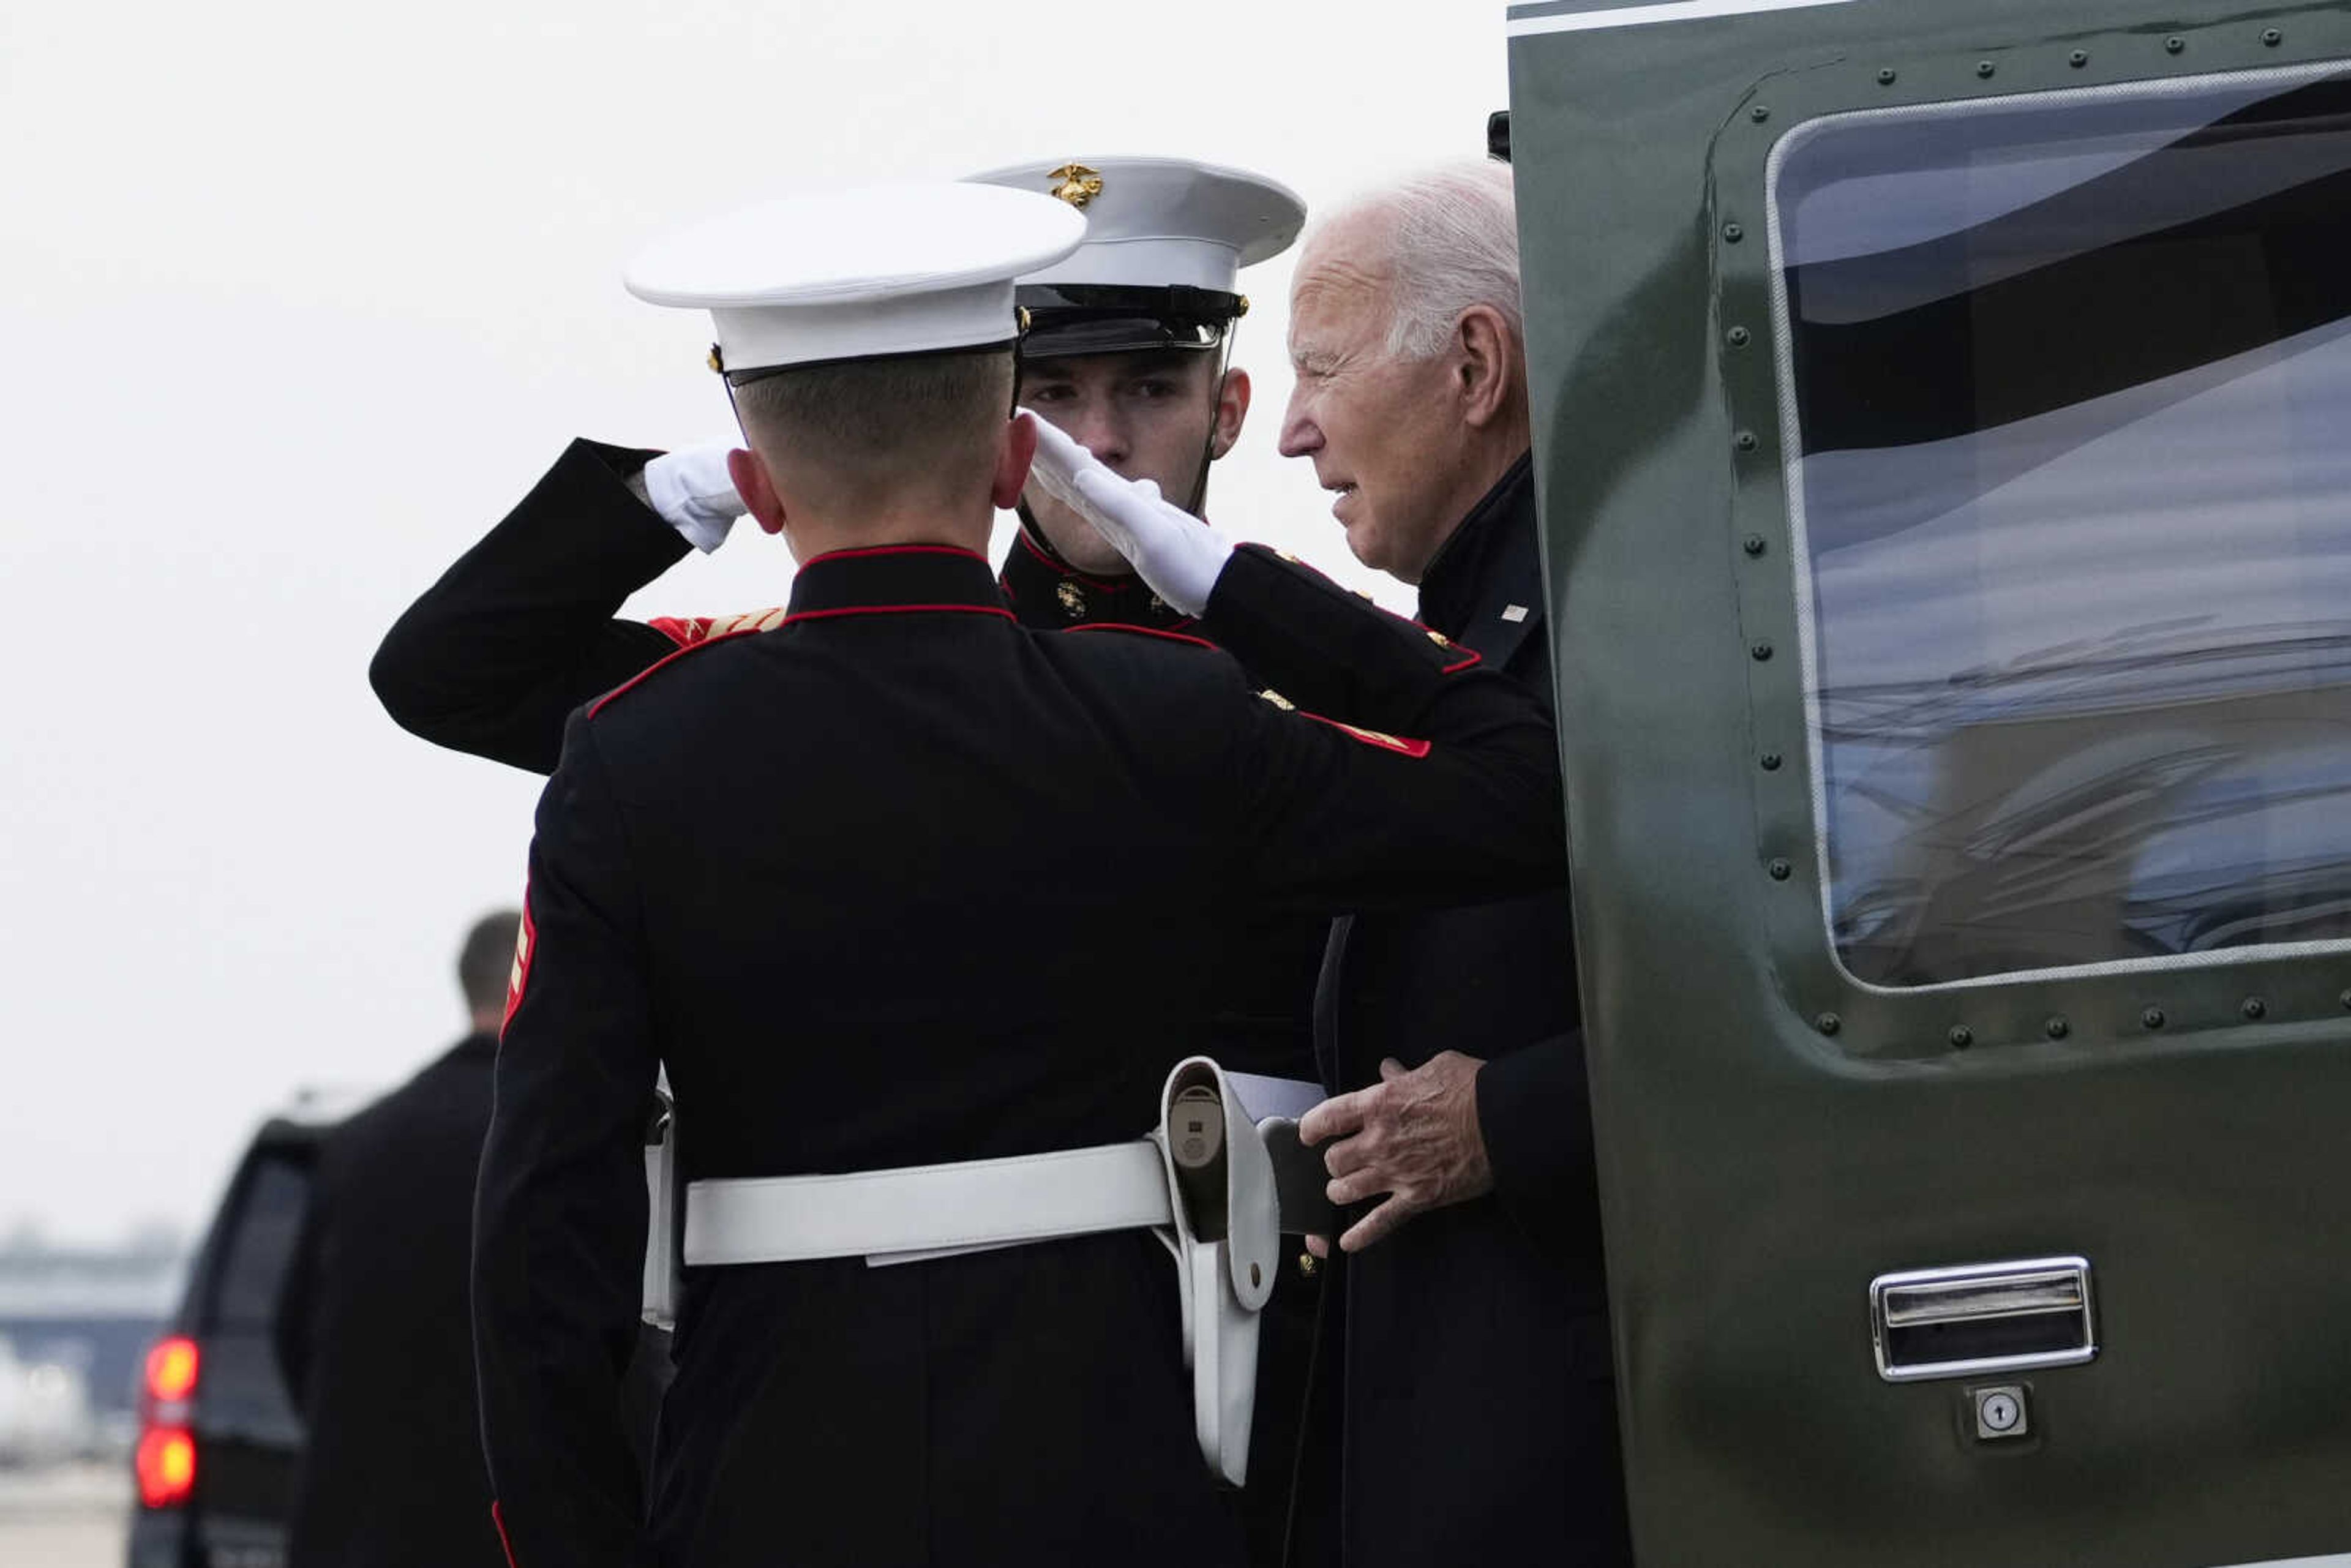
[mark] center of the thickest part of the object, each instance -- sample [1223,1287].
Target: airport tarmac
[65,1516]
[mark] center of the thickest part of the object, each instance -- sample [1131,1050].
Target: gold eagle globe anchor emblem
[1078,184]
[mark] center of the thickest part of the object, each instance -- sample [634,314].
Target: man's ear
[1486,366]
[1012,461]
[751,483]
[1232,409]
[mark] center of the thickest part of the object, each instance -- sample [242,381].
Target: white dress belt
[961,1207]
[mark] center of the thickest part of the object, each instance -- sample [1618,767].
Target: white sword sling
[1203,1181]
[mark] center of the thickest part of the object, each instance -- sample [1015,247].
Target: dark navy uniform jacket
[844,875]
[521,630]
[1471,1384]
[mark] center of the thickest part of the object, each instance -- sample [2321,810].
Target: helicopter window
[2067,380]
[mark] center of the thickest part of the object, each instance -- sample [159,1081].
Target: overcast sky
[298,300]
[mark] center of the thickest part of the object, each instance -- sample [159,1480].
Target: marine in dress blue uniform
[800,865]
[523,628]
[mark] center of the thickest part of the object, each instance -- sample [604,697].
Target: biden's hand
[691,491]
[1412,1136]
[1174,551]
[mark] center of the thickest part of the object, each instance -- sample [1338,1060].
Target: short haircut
[487,960]
[870,423]
[1452,236]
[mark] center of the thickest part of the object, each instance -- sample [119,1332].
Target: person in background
[373,1331]
[1465,1405]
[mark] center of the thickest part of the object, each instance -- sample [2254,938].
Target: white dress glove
[1174,551]
[693,492]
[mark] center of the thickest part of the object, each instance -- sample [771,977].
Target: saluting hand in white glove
[1174,551]
[691,490]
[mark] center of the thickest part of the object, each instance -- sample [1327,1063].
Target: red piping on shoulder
[1402,746]
[1442,641]
[861,551]
[683,630]
[893,610]
[1141,632]
[663,663]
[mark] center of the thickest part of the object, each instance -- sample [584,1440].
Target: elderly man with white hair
[1470,1415]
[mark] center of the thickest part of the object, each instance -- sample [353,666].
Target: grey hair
[1452,235]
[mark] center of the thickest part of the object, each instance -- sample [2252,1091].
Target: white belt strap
[967,1205]
[1220,1221]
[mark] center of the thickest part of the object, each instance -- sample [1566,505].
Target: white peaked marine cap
[1152,223]
[858,273]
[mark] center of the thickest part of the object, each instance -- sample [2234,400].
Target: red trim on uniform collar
[893,578]
[800,615]
[859,551]
[1060,568]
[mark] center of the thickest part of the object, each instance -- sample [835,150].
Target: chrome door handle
[1984,1317]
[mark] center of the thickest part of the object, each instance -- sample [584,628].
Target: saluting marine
[1127,348]
[799,867]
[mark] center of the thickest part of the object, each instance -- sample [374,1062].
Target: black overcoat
[1466,1364]
[801,866]
[373,1336]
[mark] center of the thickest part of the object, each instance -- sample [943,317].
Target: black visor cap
[1073,318]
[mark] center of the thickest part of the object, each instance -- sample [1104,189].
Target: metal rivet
[1758,114]
[1734,233]
[2271,37]
[1887,76]
[1828,1023]
[1740,337]
[2057,1028]
[2254,1009]
[1745,441]
[2078,58]
[1985,67]
[1781,870]
[1753,544]
[1770,761]
[2175,44]
[1961,1037]
[2151,1017]
[1759,652]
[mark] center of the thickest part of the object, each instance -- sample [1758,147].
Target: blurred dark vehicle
[218,1438]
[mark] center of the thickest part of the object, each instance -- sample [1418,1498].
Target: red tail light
[167,1466]
[172,1370]
[166,1457]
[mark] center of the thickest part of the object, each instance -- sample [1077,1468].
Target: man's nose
[1101,434]
[1300,436]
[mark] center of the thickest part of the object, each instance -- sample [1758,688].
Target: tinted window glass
[259,1245]
[2069,383]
